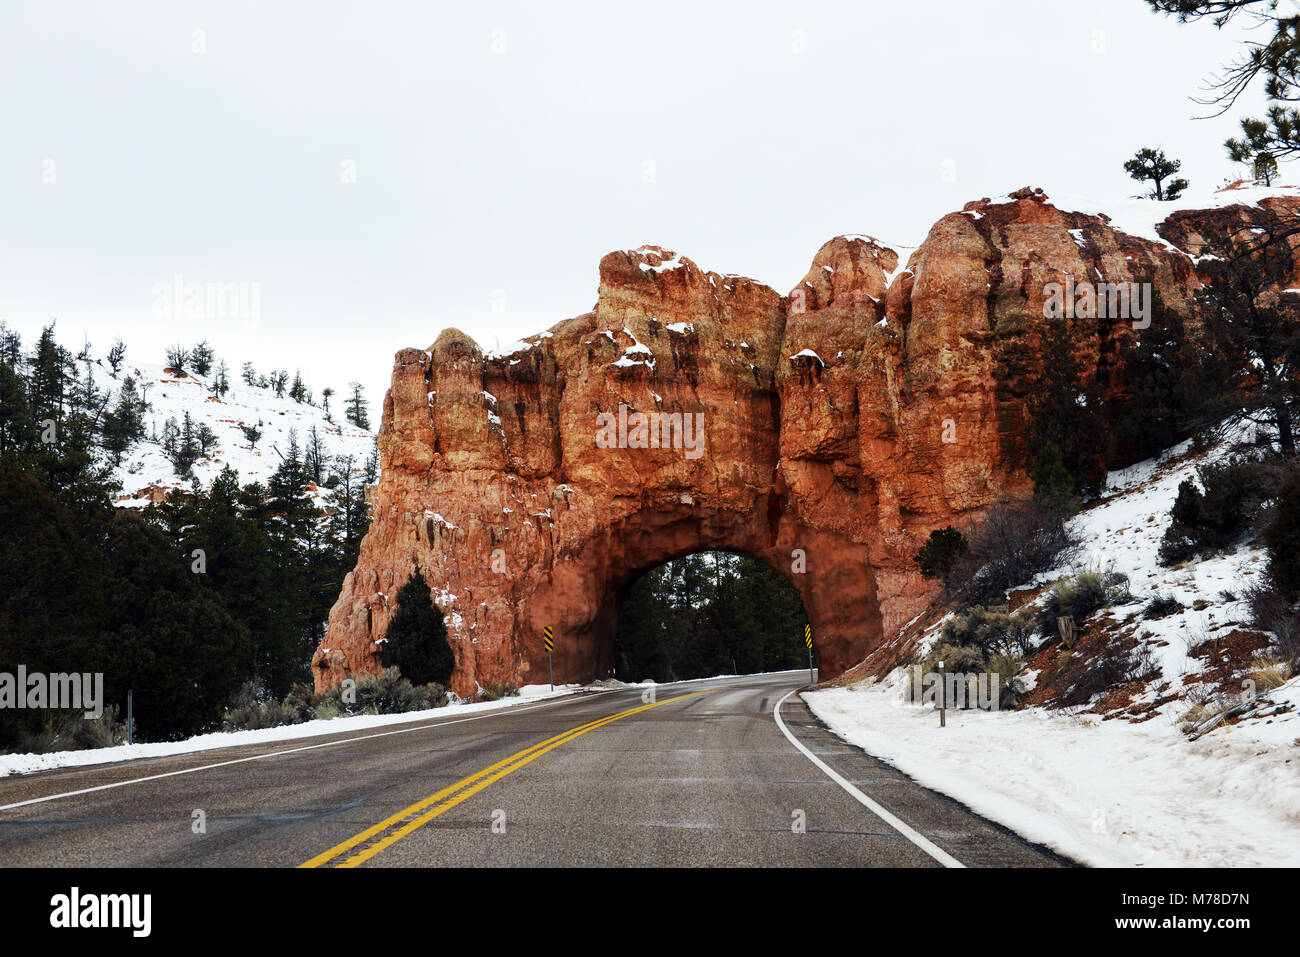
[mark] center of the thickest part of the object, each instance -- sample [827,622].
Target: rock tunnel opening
[707,613]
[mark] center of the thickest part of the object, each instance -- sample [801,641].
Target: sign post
[548,639]
[807,640]
[943,698]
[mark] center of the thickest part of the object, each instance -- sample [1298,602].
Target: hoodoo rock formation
[840,425]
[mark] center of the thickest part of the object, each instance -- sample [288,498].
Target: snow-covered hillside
[1117,782]
[146,473]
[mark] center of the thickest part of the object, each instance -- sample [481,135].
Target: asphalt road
[702,776]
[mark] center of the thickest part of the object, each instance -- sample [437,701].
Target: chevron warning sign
[548,638]
[807,636]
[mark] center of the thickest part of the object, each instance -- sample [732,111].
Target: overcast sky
[377,172]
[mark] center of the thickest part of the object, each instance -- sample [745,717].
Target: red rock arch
[846,420]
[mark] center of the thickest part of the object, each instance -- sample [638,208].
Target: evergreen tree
[1152,166]
[706,614]
[416,641]
[1253,328]
[940,552]
[201,357]
[1282,539]
[116,356]
[1052,480]
[316,458]
[220,384]
[248,375]
[1066,411]
[178,357]
[355,409]
[17,424]
[124,425]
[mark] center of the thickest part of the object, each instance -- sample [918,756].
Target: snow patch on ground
[1104,793]
[1115,792]
[28,763]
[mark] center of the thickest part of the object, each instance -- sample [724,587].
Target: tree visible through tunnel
[707,614]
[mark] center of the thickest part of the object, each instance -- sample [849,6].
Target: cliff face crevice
[826,432]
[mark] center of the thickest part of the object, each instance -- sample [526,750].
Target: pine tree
[249,376]
[316,458]
[116,356]
[220,384]
[326,394]
[124,425]
[940,552]
[48,376]
[1152,166]
[1255,330]
[201,357]
[178,357]
[355,408]
[1065,411]
[17,425]
[416,641]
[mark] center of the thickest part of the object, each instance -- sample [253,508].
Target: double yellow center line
[374,840]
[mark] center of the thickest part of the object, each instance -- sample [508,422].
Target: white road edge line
[938,853]
[567,699]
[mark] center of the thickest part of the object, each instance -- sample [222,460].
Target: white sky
[488,176]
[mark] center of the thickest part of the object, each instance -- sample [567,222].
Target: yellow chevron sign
[548,638]
[807,636]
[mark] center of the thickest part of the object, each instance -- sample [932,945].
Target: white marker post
[943,698]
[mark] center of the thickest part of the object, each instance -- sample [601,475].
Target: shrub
[1161,606]
[970,660]
[1270,611]
[939,554]
[385,693]
[252,709]
[1269,674]
[1082,595]
[1014,542]
[390,693]
[72,731]
[261,714]
[495,690]
[1112,667]
[990,630]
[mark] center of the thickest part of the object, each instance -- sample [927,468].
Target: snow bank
[1114,792]
[27,763]
[1105,793]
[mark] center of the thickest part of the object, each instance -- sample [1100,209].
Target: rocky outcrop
[826,432]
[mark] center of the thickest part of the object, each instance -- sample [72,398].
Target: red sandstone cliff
[842,423]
